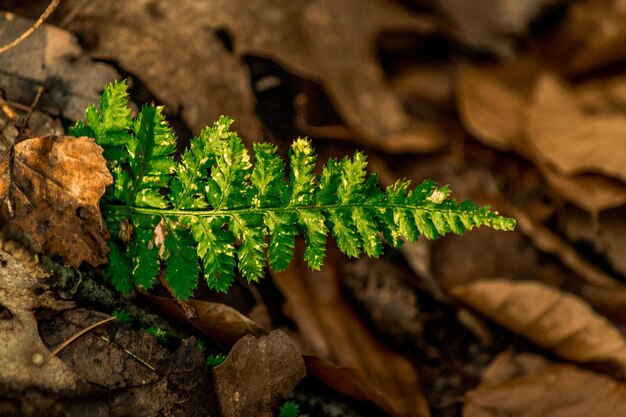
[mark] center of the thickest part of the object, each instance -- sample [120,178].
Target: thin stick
[80,333]
[53,5]
[137,358]
[40,91]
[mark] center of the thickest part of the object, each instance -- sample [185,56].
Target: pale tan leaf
[492,99]
[527,385]
[556,320]
[572,137]
[52,187]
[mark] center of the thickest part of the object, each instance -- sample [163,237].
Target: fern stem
[257,210]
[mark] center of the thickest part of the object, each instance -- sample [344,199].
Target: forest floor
[517,105]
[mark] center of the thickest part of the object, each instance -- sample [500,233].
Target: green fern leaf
[301,176]
[180,261]
[215,204]
[282,231]
[143,253]
[251,253]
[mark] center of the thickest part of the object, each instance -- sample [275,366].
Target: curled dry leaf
[527,385]
[561,322]
[52,187]
[257,374]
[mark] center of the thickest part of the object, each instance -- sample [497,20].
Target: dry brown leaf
[257,374]
[25,361]
[221,323]
[526,385]
[50,57]
[493,102]
[334,331]
[53,186]
[349,381]
[590,192]
[326,41]
[492,99]
[593,35]
[561,322]
[574,138]
[174,50]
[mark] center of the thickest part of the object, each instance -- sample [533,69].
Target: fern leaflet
[237,214]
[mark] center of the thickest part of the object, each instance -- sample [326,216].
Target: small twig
[40,91]
[137,358]
[80,333]
[53,5]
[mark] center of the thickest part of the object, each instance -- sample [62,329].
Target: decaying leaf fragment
[25,362]
[52,187]
[257,374]
[526,385]
[548,317]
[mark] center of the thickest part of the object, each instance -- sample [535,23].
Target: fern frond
[221,211]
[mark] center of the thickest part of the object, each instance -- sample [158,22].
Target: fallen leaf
[526,385]
[333,330]
[25,362]
[492,100]
[495,104]
[176,53]
[592,36]
[221,323]
[325,41]
[52,186]
[590,192]
[50,58]
[349,381]
[561,322]
[257,374]
[594,146]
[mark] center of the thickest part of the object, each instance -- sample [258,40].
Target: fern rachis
[163,211]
